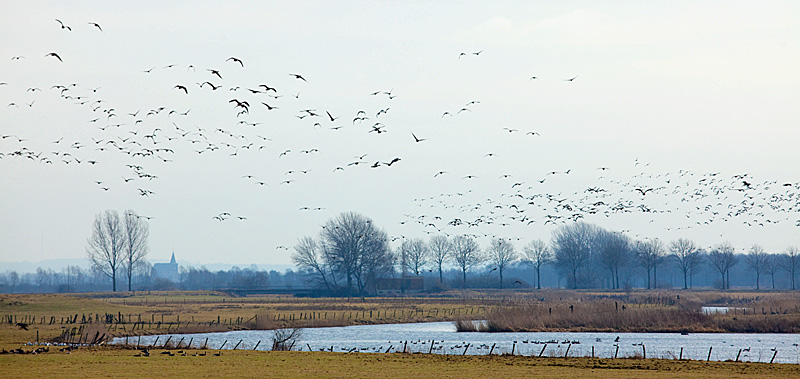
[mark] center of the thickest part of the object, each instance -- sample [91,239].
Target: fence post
[644,352]
[492,349]
[237,344]
[616,352]
[430,351]
[709,353]
[737,355]
[567,352]
[542,352]
[680,357]
[465,350]
[773,356]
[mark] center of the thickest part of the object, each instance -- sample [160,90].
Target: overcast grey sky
[676,97]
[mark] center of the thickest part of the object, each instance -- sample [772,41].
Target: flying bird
[63,26]
[96,25]
[215,72]
[417,139]
[54,55]
[237,60]
[571,79]
[180,87]
[298,76]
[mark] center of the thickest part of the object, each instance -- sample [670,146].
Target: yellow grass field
[120,363]
[202,308]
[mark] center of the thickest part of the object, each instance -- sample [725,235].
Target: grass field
[51,315]
[119,363]
[203,309]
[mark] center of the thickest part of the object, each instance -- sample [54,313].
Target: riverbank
[123,363]
[670,313]
[88,317]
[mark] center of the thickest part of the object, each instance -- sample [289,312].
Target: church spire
[173,258]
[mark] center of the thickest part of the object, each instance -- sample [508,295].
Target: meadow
[53,317]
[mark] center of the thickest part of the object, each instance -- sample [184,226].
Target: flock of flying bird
[147,138]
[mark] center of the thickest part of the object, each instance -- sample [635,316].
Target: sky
[680,120]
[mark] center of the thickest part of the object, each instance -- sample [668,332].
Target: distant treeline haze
[351,254]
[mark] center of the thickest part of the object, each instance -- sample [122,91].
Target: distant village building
[399,286]
[167,271]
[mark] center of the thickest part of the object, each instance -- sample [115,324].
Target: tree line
[350,253]
[78,279]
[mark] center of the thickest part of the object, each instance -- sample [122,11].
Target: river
[417,338]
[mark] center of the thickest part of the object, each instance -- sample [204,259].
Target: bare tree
[357,250]
[136,247]
[415,255]
[440,248]
[773,265]
[685,254]
[757,260]
[651,254]
[722,257]
[106,245]
[466,255]
[791,262]
[537,254]
[310,255]
[575,247]
[502,253]
[615,254]
[284,339]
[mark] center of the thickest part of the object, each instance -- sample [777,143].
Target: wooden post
[513,347]
[644,352]
[773,356]
[430,351]
[680,357]
[405,345]
[168,338]
[465,350]
[567,352]
[205,344]
[542,352]
[180,342]
[237,344]
[737,355]
[154,342]
[616,352]
[189,345]
[223,345]
[492,349]
[709,353]
[387,350]
[592,351]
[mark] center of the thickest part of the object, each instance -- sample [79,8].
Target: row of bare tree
[350,250]
[118,244]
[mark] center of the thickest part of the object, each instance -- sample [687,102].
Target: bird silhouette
[63,26]
[54,55]
[236,60]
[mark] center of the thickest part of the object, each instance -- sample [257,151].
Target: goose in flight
[54,55]
[63,26]
[183,88]
[236,60]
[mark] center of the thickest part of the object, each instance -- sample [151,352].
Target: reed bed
[775,315]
